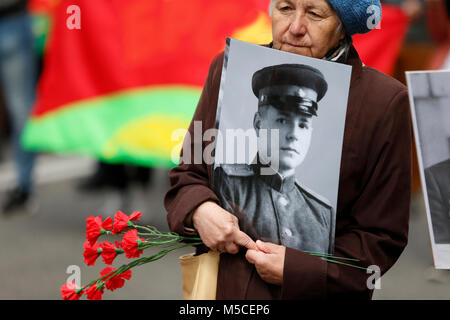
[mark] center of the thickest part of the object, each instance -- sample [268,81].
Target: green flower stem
[171,241]
[138,262]
[343,263]
[181,238]
[153,232]
[159,242]
[318,254]
[156,256]
[115,272]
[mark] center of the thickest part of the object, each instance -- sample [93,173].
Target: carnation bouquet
[135,238]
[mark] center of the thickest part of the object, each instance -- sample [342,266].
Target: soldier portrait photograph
[268,193]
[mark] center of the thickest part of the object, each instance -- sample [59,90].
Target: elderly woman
[374,190]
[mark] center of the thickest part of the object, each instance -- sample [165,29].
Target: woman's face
[306,27]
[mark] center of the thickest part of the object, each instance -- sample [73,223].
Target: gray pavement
[39,244]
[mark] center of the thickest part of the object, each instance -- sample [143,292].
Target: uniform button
[283,201]
[287,232]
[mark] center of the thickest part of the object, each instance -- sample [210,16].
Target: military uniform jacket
[438,189]
[274,208]
[372,212]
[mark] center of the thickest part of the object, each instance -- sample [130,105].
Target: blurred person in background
[4,125]
[116,176]
[118,181]
[18,77]
[438,22]
[418,46]
[412,8]
[415,51]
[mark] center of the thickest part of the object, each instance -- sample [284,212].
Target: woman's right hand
[219,229]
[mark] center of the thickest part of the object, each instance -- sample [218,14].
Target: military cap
[294,87]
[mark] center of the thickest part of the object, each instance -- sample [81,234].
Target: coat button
[287,232]
[283,201]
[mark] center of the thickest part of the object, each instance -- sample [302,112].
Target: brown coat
[373,200]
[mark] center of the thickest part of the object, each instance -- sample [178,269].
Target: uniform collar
[274,179]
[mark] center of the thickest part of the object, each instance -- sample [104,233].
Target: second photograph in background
[430,104]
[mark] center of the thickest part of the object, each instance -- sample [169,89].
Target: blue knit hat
[358,16]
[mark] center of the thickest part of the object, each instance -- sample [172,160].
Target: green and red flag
[121,84]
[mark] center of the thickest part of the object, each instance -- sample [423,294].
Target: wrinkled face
[294,131]
[306,27]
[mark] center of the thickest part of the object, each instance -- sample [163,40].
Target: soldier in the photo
[266,197]
[438,190]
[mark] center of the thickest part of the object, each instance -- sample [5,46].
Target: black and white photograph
[430,103]
[278,115]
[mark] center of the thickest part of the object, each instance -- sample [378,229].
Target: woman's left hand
[268,260]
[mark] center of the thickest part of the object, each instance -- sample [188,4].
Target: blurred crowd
[425,47]
[427,43]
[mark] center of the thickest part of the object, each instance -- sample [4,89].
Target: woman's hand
[219,229]
[268,259]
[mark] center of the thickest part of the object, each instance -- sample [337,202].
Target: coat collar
[355,62]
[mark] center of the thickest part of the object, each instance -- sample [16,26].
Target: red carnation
[69,291]
[109,251]
[122,221]
[95,291]
[91,253]
[117,281]
[130,244]
[95,227]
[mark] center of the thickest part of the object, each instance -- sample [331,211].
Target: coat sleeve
[377,230]
[190,180]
